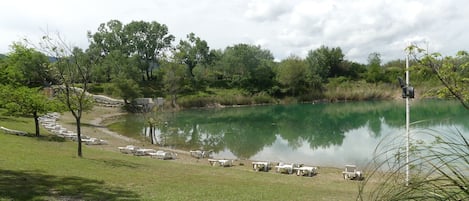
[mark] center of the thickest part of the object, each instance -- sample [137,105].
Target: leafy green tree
[148,41]
[212,73]
[109,37]
[243,64]
[127,89]
[192,52]
[73,70]
[26,66]
[124,84]
[453,72]
[355,70]
[375,72]
[326,62]
[292,74]
[109,41]
[175,80]
[24,101]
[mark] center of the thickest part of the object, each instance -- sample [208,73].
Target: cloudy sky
[285,27]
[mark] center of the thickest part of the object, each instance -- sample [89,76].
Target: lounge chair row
[137,151]
[291,168]
[13,132]
[299,169]
[49,121]
[220,162]
[201,153]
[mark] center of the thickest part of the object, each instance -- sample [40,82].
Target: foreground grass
[40,169]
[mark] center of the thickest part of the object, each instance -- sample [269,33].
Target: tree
[192,52]
[124,84]
[374,73]
[148,41]
[174,80]
[127,89]
[24,101]
[109,40]
[26,66]
[243,64]
[292,74]
[326,62]
[73,71]
[453,72]
[109,37]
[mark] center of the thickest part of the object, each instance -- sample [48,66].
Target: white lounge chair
[306,171]
[352,173]
[286,168]
[93,141]
[129,149]
[163,155]
[11,131]
[260,166]
[221,162]
[200,153]
[144,152]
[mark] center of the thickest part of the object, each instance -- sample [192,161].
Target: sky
[285,27]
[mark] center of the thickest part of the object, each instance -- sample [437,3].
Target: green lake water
[325,134]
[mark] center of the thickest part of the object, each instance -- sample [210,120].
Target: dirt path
[97,123]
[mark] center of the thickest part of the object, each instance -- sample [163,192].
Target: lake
[322,134]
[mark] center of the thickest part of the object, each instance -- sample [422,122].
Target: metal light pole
[407,93]
[407,119]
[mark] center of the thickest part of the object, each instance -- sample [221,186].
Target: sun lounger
[352,173]
[93,141]
[260,166]
[306,171]
[163,155]
[144,152]
[200,153]
[11,131]
[286,168]
[129,149]
[221,162]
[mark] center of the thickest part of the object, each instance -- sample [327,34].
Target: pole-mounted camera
[407,90]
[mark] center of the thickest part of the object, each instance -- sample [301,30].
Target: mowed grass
[39,169]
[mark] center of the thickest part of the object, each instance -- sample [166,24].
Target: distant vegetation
[141,59]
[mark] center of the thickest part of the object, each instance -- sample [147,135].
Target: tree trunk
[151,134]
[78,121]
[173,101]
[36,122]
[148,74]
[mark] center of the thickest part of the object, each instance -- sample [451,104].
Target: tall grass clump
[358,91]
[438,164]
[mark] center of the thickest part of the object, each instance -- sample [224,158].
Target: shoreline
[183,156]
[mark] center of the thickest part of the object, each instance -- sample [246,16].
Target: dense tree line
[141,59]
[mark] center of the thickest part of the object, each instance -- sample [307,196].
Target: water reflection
[320,134]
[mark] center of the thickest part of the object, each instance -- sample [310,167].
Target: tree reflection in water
[248,131]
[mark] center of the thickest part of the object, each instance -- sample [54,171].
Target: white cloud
[266,10]
[282,26]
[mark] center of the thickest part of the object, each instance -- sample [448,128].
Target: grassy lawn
[40,169]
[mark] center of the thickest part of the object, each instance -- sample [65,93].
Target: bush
[96,88]
[262,98]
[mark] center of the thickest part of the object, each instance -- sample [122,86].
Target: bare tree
[72,68]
